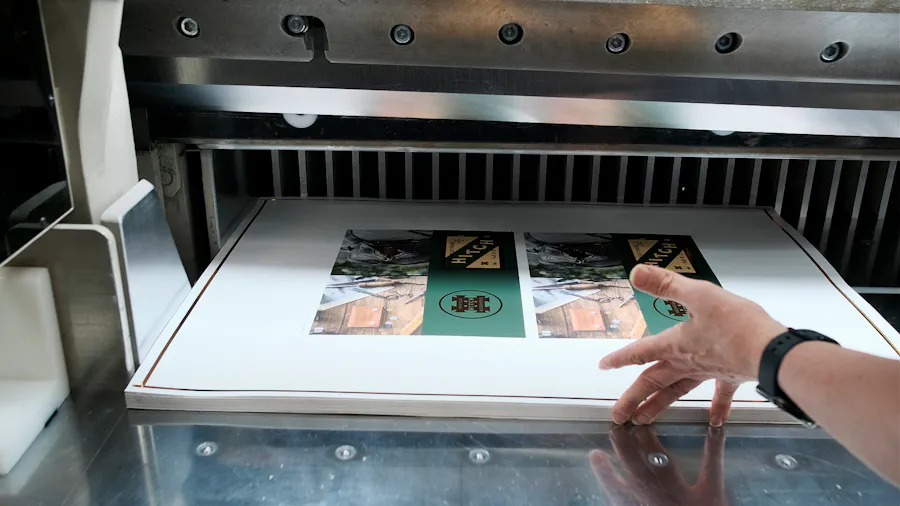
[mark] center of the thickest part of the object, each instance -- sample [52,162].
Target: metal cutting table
[786,105]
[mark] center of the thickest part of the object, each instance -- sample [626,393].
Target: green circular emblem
[671,309]
[471,304]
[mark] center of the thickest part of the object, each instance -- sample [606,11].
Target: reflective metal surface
[457,67]
[559,35]
[523,109]
[230,189]
[89,295]
[163,458]
[154,278]
[849,209]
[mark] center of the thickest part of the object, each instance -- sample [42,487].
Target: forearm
[854,396]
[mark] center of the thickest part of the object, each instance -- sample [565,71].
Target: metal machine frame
[233,101]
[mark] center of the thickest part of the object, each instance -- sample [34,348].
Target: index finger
[642,351]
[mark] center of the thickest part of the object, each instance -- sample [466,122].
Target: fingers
[668,476]
[656,378]
[603,467]
[713,463]
[721,402]
[667,284]
[658,402]
[642,351]
[616,488]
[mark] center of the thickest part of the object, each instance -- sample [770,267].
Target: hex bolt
[658,459]
[618,43]
[728,43]
[402,34]
[511,33]
[345,452]
[188,27]
[295,25]
[206,449]
[479,456]
[785,461]
[833,52]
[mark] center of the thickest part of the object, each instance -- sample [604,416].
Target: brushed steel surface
[89,296]
[676,181]
[811,5]
[701,181]
[854,216]
[153,276]
[829,203]
[171,179]
[58,460]
[489,177]
[884,201]
[277,173]
[461,191]
[623,171]
[832,199]
[525,109]
[252,32]
[301,167]
[152,458]
[809,176]
[558,35]
[329,174]
[226,194]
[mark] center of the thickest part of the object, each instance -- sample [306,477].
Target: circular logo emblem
[671,309]
[471,304]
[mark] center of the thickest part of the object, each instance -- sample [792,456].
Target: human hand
[723,340]
[648,484]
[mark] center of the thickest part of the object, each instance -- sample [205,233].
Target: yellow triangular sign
[490,260]
[456,243]
[640,246]
[681,263]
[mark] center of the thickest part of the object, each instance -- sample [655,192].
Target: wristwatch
[770,363]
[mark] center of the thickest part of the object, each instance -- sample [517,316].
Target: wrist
[756,346]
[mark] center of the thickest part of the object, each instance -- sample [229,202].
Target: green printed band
[677,253]
[473,286]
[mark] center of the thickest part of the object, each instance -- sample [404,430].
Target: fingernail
[638,275]
[641,420]
[715,421]
[603,365]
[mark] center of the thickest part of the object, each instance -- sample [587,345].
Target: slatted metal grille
[849,209]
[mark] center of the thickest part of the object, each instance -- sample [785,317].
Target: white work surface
[241,339]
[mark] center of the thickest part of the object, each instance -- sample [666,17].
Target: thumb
[666,284]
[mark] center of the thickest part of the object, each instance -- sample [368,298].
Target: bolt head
[479,456]
[831,53]
[402,34]
[618,43]
[206,449]
[785,461]
[188,27]
[345,452]
[510,33]
[728,43]
[296,25]
[658,459]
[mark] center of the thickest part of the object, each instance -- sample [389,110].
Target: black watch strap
[770,363]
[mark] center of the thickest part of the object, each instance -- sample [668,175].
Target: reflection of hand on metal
[651,476]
